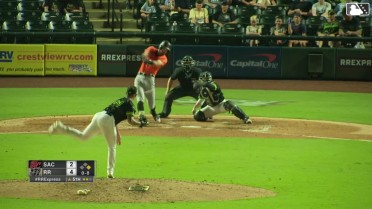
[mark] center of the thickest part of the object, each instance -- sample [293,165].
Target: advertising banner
[354,64]
[248,62]
[112,59]
[134,61]
[75,60]
[208,58]
[23,60]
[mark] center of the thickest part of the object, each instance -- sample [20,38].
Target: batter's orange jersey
[153,55]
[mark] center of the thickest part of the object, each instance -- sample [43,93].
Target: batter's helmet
[131,90]
[206,76]
[187,62]
[165,44]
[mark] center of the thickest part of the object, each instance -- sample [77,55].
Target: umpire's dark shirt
[186,79]
[121,109]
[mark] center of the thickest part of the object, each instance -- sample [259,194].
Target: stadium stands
[28,16]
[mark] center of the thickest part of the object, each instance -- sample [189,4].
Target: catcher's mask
[187,63]
[205,76]
[165,45]
[132,90]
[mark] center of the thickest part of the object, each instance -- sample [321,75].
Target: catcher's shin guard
[239,113]
[199,116]
[234,109]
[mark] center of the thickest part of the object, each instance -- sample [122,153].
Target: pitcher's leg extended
[91,130]
[108,130]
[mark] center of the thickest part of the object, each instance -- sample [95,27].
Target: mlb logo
[357,9]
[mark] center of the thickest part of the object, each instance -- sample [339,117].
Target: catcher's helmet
[131,90]
[206,76]
[165,45]
[187,62]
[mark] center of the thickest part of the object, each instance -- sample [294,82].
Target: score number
[80,168]
[71,168]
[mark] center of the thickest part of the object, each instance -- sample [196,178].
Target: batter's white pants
[101,124]
[145,89]
[210,111]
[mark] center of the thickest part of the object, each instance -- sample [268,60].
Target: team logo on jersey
[357,9]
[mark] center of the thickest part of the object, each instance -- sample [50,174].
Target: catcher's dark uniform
[211,93]
[186,80]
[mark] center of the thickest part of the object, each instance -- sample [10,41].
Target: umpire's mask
[187,63]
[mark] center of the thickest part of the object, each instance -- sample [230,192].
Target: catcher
[186,76]
[210,92]
[105,123]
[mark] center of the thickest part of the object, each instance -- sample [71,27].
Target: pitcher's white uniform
[104,122]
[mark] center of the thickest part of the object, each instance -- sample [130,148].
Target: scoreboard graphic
[61,170]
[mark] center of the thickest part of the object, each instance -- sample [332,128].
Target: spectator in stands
[183,6]
[224,15]
[235,3]
[297,27]
[168,6]
[212,3]
[350,27]
[329,28]
[265,3]
[74,6]
[341,6]
[199,15]
[249,2]
[147,8]
[278,30]
[54,6]
[254,29]
[300,6]
[321,8]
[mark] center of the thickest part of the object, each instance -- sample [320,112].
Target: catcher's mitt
[143,121]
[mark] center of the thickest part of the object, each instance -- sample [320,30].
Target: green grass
[333,106]
[305,173]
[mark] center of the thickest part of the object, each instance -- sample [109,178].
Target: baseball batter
[186,76]
[211,93]
[105,123]
[153,59]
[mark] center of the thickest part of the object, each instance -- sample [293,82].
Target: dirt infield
[221,126]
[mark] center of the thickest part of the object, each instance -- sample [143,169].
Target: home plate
[190,126]
[263,129]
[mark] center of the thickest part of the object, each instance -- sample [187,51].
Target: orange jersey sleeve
[152,54]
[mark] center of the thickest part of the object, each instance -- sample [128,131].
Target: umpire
[186,76]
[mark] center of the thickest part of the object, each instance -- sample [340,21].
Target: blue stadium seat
[208,28]
[184,27]
[232,29]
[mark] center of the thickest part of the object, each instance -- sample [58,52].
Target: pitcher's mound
[116,190]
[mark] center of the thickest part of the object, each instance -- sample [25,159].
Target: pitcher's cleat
[56,127]
[110,176]
[247,121]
